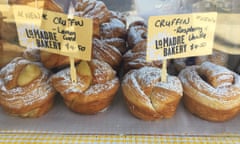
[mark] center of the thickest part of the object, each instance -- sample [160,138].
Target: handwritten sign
[54,32]
[177,36]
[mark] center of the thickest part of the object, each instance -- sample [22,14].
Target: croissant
[211,92]
[107,53]
[114,33]
[25,90]
[94,89]
[147,97]
[137,32]
[93,9]
[135,58]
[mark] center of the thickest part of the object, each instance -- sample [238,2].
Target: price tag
[178,36]
[54,32]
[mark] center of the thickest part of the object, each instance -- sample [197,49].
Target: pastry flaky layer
[211,92]
[147,97]
[24,88]
[94,89]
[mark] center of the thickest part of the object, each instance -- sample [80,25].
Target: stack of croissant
[30,79]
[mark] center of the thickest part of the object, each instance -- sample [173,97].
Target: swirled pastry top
[101,78]
[144,88]
[212,85]
[16,94]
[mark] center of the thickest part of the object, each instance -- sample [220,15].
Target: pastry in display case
[118,91]
[211,91]
[148,97]
[25,88]
[94,89]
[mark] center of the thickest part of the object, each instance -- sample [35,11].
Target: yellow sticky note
[73,33]
[178,36]
[54,32]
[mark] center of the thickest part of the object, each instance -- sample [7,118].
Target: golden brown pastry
[147,97]
[216,57]
[25,90]
[114,33]
[107,53]
[135,58]
[137,32]
[94,90]
[211,92]
[8,52]
[52,61]
[93,9]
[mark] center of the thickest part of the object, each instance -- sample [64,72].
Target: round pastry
[107,53]
[137,32]
[25,90]
[8,52]
[147,97]
[94,90]
[135,58]
[211,92]
[93,9]
[216,57]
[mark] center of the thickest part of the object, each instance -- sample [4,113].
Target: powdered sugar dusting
[18,97]
[190,76]
[150,77]
[62,80]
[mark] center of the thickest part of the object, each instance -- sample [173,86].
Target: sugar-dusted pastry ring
[30,100]
[88,99]
[147,97]
[211,92]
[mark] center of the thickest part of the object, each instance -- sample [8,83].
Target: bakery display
[94,90]
[109,35]
[8,52]
[149,98]
[211,92]
[25,90]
